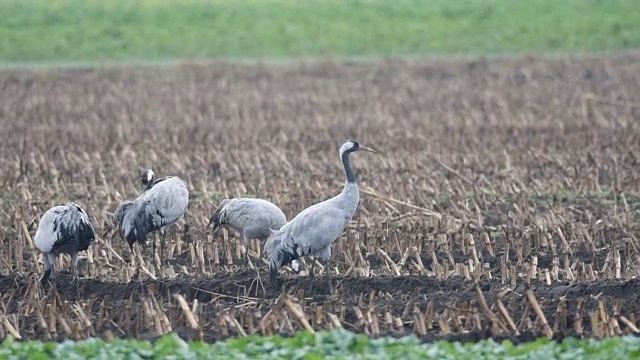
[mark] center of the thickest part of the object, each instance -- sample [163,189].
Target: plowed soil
[519,173]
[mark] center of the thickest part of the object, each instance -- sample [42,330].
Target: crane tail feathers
[119,215]
[138,222]
[216,218]
[275,262]
[271,244]
[280,257]
[85,235]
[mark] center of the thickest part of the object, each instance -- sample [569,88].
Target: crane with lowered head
[251,217]
[158,208]
[63,229]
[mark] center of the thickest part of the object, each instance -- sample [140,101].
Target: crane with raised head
[313,230]
[63,229]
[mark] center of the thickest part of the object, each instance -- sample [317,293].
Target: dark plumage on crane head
[217,218]
[146,178]
[350,146]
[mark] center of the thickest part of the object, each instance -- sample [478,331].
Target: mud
[390,293]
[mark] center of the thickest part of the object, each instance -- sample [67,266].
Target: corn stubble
[503,201]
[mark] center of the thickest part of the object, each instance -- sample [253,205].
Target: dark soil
[392,293]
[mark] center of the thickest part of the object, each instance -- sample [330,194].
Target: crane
[162,204]
[313,230]
[63,229]
[253,218]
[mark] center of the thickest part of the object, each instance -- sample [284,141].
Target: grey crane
[314,229]
[253,218]
[63,229]
[162,204]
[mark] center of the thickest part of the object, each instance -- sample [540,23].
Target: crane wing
[272,242]
[138,221]
[168,201]
[311,232]
[64,226]
[83,230]
[121,210]
[46,234]
[242,213]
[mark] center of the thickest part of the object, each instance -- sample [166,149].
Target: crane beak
[364,148]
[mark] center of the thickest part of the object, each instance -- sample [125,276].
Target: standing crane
[63,229]
[253,218]
[162,204]
[313,230]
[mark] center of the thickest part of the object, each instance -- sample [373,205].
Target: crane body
[313,230]
[63,229]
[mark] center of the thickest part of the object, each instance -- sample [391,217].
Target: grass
[337,344]
[93,30]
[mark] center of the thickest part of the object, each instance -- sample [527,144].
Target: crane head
[352,146]
[146,178]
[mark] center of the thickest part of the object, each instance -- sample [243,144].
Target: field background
[503,200]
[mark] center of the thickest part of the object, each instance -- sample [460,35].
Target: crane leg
[261,250]
[311,279]
[153,250]
[247,242]
[48,268]
[76,278]
[153,253]
[313,266]
[162,247]
[132,256]
[327,271]
[164,234]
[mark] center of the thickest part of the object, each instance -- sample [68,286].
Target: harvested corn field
[502,200]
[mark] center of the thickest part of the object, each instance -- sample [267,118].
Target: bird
[162,204]
[63,229]
[251,217]
[312,231]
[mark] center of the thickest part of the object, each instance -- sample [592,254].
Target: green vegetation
[326,345]
[90,30]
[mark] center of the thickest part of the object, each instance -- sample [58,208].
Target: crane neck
[348,171]
[149,184]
